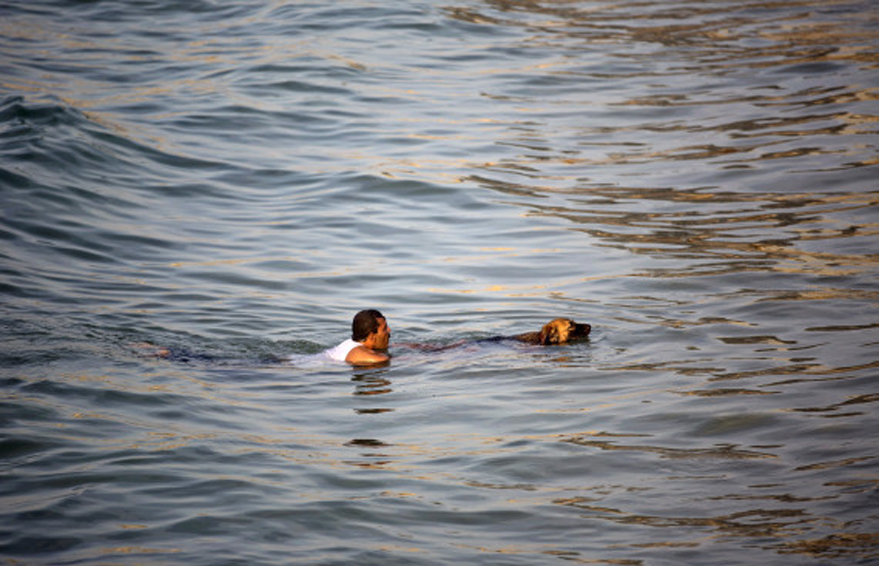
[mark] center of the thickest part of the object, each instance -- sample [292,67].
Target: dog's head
[562,331]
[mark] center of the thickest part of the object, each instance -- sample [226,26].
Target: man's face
[382,336]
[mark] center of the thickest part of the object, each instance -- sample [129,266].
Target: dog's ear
[549,334]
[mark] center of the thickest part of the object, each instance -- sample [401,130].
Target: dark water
[697,180]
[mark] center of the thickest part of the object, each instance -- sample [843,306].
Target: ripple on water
[234,182]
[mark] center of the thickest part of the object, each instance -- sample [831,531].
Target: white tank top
[340,352]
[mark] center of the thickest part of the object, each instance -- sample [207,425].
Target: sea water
[236,179]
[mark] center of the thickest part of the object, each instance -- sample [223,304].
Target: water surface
[237,179]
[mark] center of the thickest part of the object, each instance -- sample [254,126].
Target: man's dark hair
[365,323]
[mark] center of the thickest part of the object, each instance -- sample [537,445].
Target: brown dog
[558,331]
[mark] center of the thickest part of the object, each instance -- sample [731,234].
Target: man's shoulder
[361,355]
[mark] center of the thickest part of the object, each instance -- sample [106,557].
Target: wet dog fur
[555,332]
[558,331]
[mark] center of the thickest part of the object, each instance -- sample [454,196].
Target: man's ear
[369,340]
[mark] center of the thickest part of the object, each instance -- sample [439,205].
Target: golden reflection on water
[728,235]
[577,173]
[863,546]
[372,385]
[773,523]
[723,451]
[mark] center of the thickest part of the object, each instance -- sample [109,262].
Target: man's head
[371,329]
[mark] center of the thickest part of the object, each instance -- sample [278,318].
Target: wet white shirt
[340,352]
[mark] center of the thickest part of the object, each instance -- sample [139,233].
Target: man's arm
[363,356]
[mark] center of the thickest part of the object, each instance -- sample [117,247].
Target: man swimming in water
[369,334]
